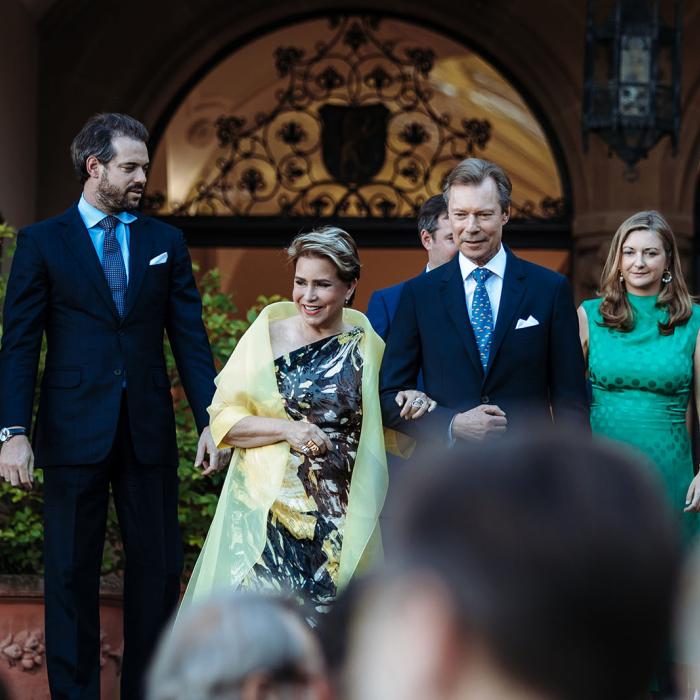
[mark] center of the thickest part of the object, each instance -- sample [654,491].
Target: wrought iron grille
[353,133]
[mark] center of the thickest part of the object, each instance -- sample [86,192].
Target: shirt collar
[497,264]
[92,215]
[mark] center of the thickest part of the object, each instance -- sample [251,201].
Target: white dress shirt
[494,284]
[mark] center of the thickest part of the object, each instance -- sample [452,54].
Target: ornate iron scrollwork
[354,132]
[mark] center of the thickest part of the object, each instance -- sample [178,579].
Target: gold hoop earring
[667,277]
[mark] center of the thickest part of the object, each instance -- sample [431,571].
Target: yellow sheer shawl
[247,386]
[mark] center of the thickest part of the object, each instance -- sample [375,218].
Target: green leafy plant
[7,248]
[21,527]
[198,494]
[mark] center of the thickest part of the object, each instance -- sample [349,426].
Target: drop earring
[622,279]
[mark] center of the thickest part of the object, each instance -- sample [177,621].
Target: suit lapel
[139,251]
[511,297]
[452,288]
[78,241]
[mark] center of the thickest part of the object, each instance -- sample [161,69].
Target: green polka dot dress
[642,383]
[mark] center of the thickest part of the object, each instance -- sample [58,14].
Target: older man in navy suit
[104,284]
[436,237]
[495,337]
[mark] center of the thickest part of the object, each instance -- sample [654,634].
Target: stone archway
[279,107]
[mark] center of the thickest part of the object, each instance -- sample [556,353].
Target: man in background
[435,234]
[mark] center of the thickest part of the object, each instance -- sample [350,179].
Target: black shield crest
[354,141]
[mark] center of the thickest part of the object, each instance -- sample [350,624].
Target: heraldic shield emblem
[354,141]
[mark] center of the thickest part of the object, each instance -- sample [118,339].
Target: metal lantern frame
[631,106]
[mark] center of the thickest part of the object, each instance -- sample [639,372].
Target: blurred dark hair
[96,137]
[432,209]
[334,627]
[558,552]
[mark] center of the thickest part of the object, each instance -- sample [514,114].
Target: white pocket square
[159,259]
[526,323]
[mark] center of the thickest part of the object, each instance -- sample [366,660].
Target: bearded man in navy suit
[495,337]
[104,284]
[436,237]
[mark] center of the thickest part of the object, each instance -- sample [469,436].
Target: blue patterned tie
[113,263]
[482,315]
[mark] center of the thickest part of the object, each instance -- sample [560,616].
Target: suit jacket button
[117,372]
[485,399]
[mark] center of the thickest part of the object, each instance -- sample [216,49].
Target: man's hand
[17,462]
[479,422]
[414,403]
[218,459]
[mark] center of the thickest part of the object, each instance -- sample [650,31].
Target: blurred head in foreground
[540,567]
[240,646]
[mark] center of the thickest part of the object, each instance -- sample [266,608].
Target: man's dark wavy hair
[432,209]
[97,136]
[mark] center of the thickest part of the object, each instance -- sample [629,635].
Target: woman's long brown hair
[674,295]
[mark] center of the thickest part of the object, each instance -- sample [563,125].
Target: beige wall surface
[18,106]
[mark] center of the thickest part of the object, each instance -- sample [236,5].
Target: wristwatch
[7,433]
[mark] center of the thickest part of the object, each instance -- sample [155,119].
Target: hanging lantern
[632,78]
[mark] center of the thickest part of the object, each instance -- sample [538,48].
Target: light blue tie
[482,315]
[113,263]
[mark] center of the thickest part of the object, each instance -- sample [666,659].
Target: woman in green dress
[640,341]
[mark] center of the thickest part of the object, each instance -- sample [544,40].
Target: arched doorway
[353,120]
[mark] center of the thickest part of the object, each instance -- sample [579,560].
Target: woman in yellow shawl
[298,399]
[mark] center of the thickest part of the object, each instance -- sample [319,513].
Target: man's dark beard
[112,199]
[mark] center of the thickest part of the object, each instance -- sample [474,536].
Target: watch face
[4,434]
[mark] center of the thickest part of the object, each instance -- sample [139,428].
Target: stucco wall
[18,87]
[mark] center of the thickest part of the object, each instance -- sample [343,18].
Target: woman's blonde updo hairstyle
[329,242]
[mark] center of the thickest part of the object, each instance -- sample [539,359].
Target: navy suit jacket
[382,308]
[530,369]
[57,287]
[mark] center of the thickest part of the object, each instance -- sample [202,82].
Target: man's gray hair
[474,171]
[218,643]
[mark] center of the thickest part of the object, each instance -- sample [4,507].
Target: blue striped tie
[482,315]
[113,263]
